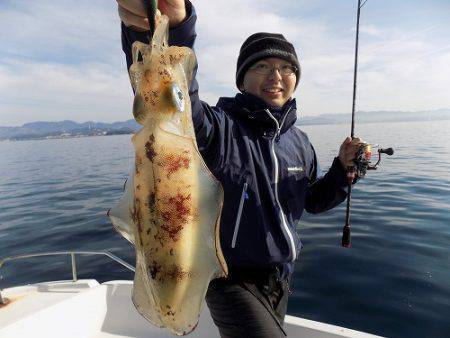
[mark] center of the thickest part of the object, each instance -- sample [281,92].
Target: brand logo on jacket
[295,169]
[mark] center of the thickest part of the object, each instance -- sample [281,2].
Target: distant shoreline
[59,137]
[302,122]
[43,130]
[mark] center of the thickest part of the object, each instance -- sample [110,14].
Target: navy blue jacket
[267,167]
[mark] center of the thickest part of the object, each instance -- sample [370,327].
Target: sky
[62,59]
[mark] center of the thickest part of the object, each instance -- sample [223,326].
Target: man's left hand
[348,150]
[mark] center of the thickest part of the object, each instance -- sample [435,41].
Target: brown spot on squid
[137,217]
[177,274]
[175,214]
[152,202]
[149,148]
[174,162]
[154,269]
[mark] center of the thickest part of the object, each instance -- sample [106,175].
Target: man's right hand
[133,13]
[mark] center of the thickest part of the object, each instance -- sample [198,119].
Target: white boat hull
[86,308]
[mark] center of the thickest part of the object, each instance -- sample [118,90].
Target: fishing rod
[364,153]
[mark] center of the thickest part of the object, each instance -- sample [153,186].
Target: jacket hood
[250,107]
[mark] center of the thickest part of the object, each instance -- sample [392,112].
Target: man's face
[274,87]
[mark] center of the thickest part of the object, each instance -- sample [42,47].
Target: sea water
[394,281]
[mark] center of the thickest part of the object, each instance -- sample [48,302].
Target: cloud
[371,30]
[224,25]
[48,91]
[404,71]
[389,62]
[62,31]
[63,59]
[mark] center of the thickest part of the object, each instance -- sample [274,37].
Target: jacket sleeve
[328,191]
[207,120]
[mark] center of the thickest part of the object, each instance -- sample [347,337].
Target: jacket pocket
[239,214]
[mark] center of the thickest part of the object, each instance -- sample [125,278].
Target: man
[267,167]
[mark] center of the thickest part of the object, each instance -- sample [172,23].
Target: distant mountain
[376,116]
[64,129]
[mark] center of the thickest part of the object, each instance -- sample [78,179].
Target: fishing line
[363,3]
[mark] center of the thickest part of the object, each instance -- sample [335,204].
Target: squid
[171,206]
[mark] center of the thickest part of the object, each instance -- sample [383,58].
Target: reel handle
[387,151]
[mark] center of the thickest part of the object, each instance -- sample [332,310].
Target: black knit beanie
[265,45]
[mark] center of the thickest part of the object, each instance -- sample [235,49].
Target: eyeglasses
[265,69]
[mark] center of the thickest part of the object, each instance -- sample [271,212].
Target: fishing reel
[359,170]
[363,157]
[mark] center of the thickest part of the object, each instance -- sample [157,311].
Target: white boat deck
[88,309]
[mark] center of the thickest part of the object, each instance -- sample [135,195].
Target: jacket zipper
[238,217]
[283,219]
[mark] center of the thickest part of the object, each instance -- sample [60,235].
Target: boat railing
[73,260]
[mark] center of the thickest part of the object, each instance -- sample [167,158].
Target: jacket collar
[255,110]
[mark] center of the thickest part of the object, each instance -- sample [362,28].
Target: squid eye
[177,97]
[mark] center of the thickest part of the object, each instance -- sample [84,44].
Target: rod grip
[346,237]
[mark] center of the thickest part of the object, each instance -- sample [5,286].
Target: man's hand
[133,13]
[347,151]
[174,9]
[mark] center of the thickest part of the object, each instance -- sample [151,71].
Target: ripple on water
[54,195]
